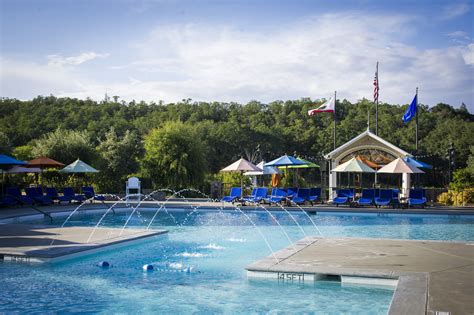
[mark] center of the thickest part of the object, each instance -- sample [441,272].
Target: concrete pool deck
[24,243]
[433,276]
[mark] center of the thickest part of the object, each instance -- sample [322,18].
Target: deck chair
[343,196]
[367,197]
[384,198]
[37,195]
[89,192]
[9,201]
[291,192]
[260,195]
[235,194]
[314,195]
[14,192]
[277,196]
[302,195]
[252,195]
[52,193]
[416,198]
[69,192]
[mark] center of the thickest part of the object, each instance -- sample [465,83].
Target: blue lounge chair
[37,195]
[235,194]
[367,197]
[314,195]
[69,193]
[395,199]
[252,195]
[302,195]
[15,193]
[260,194]
[384,198]
[278,195]
[343,196]
[416,198]
[52,193]
[89,192]
[291,192]
[9,201]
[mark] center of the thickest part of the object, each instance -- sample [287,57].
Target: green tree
[119,159]
[5,147]
[174,156]
[23,152]
[65,146]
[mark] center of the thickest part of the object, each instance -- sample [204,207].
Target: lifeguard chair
[133,190]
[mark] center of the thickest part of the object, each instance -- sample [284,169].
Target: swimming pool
[200,266]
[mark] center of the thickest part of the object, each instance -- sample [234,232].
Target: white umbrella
[266,170]
[78,167]
[353,166]
[399,166]
[241,166]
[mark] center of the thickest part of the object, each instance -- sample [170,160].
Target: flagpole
[334,115]
[416,120]
[377,101]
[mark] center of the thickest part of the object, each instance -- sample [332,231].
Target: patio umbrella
[399,166]
[241,166]
[368,162]
[416,163]
[266,170]
[286,161]
[44,162]
[20,169]
[78,167]
[7,162]
[354,165]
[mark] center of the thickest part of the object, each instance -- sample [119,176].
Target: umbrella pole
[241,184]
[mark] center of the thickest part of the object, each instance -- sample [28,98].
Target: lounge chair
[9,201]
[15,193]
[37,195]
[314,195]
[277,196]
[89,192]
[52,193]
[416,198]
[260,194]
[343,196]
[235,194]
[367,197]
[252,195]
[302,195]
[69,192]
[291,192]
[395,199]
[384,198]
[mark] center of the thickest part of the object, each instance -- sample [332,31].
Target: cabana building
[370,146]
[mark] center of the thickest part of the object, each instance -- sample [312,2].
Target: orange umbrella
[44,162]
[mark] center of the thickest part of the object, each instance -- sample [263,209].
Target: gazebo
[367,144]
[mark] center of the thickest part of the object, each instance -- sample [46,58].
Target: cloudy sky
[231,50]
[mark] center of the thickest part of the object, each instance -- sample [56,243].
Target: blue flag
[411,111]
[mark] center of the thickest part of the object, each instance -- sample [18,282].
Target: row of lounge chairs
[48,196]
[379,197]
[368,197]
[277,195]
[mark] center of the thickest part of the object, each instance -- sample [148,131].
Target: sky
[238,51]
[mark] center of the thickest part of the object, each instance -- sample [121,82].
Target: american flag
[376,84]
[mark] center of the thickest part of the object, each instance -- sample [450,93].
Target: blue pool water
[216,247]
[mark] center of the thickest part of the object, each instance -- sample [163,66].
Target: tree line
[185,144]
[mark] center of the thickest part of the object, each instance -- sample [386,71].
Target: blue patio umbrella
[286,160]
[7,162]
[417,163]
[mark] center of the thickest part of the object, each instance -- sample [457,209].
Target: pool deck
[23,243]
[433,276]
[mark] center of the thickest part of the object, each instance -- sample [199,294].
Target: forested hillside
[182,144]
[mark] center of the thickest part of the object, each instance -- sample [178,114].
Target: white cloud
[309,58]
[468,55]
[455,10]
[59,61]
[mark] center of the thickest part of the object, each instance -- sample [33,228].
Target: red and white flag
[328,107]
[376,84]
